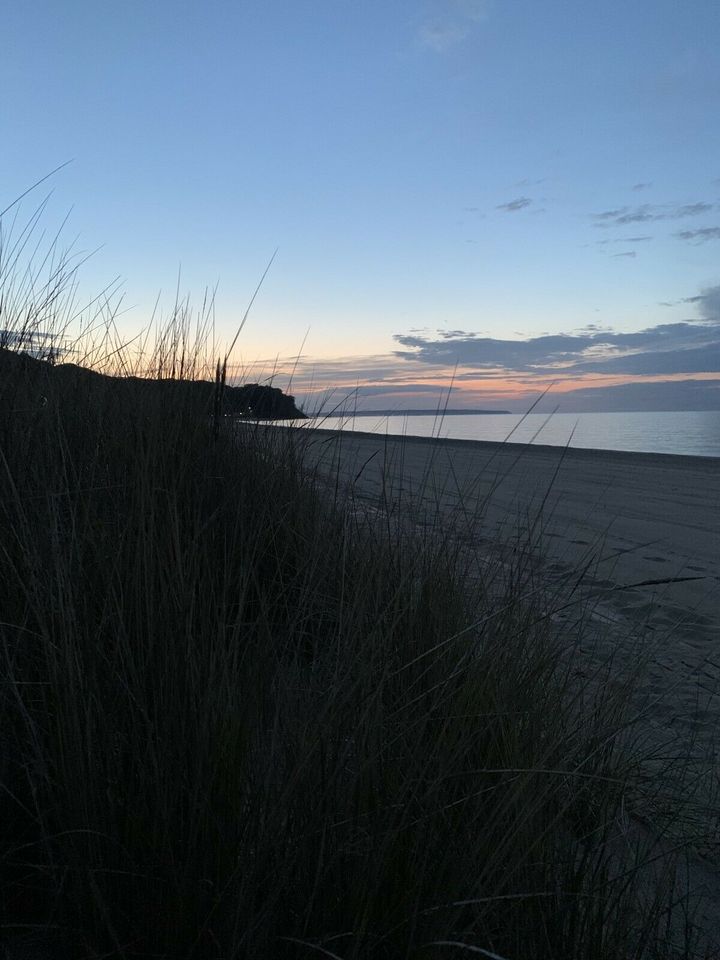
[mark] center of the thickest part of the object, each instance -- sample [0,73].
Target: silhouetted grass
[242,717]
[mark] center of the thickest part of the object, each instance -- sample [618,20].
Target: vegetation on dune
[250,400]
[243,718]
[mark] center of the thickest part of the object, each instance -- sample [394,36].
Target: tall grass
[243,718]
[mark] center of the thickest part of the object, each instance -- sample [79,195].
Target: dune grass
[241,716]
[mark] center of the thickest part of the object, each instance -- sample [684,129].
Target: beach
[643,529]
[630,539]
[647,526]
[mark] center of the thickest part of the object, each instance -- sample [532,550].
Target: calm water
[694,433]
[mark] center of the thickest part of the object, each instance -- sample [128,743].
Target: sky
[492,196]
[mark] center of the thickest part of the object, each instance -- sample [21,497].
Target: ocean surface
[691,433]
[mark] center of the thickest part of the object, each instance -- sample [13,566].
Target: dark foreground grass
[239,720]
[242,718]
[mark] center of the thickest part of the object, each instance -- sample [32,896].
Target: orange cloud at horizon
[520,388]
[380,380]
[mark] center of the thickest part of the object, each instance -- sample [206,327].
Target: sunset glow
[497,196]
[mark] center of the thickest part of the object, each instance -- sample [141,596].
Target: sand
[644,528]
[637,518]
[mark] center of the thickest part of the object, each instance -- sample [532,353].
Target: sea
[694,433]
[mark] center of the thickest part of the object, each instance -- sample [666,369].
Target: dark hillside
[44,379]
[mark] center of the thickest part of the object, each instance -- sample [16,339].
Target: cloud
[610,214]
[702,235]
[675,303]
[659,395]
[628,253]
[441,36]
[451,22]
[642,186]
[602,243]
[710,304]
[670,366]
[690,210]
[647,213]
[454,334]
[640,215]
[512,205]
[687,347]
[396,389]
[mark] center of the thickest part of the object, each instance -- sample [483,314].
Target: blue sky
[459,172]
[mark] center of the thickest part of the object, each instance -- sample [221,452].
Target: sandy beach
[644,528]
[636,520]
